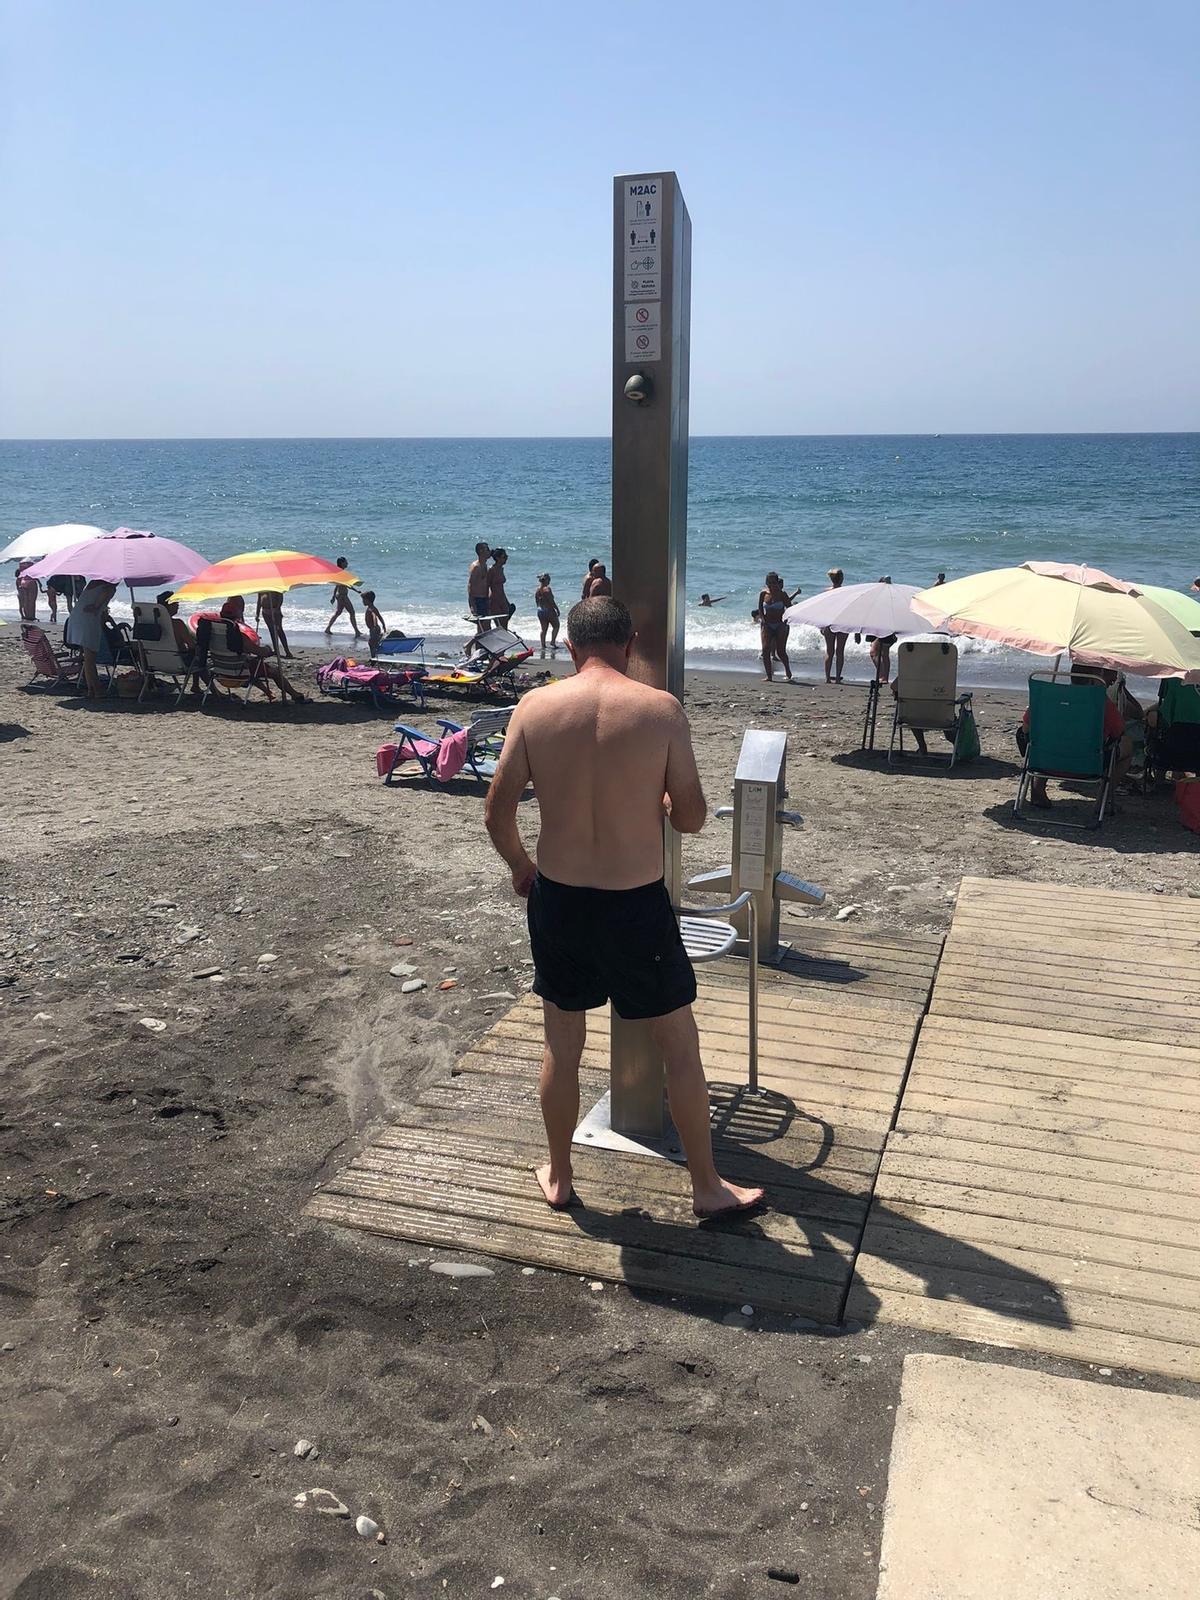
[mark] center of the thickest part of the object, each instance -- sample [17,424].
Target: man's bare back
[608,759]
[602,751]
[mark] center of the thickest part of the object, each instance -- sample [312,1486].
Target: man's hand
[522,878]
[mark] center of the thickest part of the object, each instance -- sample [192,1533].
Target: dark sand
[177,1325]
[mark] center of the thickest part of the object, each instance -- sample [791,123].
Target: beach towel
[451,756]
[406,749]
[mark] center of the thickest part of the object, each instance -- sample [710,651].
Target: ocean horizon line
[576,438]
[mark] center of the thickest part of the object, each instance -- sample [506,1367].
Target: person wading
[607,757]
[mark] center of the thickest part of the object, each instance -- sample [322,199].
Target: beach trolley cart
[928,701]
[1066,740]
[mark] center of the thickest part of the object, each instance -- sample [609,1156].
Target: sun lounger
[480,748]
[927,697]
[489,666]
[384,686]
[160,657]
[1066,740]
[49,671]
[395,653]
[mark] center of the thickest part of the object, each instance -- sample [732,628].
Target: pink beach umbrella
[141,560]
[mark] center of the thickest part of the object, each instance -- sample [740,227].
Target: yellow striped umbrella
[276,570]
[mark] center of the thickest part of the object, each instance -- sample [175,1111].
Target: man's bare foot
[558,1191]
[724,1199]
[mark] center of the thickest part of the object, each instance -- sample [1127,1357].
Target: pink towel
[451,756]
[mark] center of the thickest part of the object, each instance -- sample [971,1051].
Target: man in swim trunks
[477,582]
[607,757]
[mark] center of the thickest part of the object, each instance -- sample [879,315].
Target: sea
[407,512]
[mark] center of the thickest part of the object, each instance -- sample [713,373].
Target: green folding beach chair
[1066,740]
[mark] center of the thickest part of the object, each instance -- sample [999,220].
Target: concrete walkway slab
[1006,1482]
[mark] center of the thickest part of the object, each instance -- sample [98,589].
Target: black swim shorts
[623,945]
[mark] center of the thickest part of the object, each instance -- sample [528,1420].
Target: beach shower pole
[652,270]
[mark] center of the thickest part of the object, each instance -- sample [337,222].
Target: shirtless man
[478,577]
[608,757]
[599,584]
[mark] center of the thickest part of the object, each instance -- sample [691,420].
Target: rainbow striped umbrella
[277,570]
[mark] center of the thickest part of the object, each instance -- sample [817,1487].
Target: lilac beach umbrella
[141,560]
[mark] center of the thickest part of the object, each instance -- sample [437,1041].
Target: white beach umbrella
[37,542]
[877,608]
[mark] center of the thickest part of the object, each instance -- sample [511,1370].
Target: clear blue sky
[276,217]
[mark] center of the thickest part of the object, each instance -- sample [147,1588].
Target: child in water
[547,610]
[373,617]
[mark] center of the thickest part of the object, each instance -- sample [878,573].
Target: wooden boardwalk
[1042,1185]
[454,1167]
[1033,1181]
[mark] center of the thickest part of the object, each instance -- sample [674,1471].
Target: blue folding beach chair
[485,736]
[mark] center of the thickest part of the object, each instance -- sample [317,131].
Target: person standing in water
[477,583]
[835,643]
[547,610]
[881,650]
[587,577]
[342,602]
[773,601]
[599,584]
[499,604]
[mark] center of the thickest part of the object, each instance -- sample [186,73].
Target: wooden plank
[1032,1298]
[1107,1027]
[671,1224]
[937,1149]
[636,1180]
[987,891]
[1044,1134]
[1118,1349]
[853,1155]
[969,1168]
[1052,1119]
[1119,1098]
[969,1043]
[1122,998]
[925,1232]
[798,1292]
[1136,982]
[1122,1082]
[938,1259]
[1081,1216]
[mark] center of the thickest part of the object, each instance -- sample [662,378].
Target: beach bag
[1187,798]
[967,744]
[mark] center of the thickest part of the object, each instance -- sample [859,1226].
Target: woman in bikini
[835,643]
[547,610]
[773,601]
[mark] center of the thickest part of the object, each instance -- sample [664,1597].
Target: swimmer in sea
[711,599]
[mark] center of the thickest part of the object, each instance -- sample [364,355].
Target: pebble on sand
[747,1311]
[847,911]
[402,969]
[366,1527]
[302,1447]
[412,986]
[267,959]
[206,972]
[460,1269]
[154,1024]
[448,983]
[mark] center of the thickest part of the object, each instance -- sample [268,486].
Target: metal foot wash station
[652,244]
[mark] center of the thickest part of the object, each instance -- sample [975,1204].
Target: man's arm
[687,808]
[500,808]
